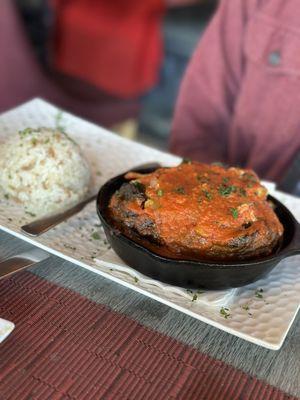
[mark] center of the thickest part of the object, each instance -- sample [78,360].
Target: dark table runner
[65,346]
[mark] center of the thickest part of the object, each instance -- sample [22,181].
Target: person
[239,101]
[116,46]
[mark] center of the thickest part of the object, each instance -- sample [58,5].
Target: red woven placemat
[65,346]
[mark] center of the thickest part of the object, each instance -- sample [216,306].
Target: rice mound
[44,170]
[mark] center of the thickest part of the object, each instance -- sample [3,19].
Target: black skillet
[195,274]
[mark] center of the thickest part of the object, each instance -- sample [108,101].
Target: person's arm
[208,92]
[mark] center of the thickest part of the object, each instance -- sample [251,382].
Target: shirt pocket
[272,46]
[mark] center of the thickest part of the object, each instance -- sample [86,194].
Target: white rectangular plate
[263,317]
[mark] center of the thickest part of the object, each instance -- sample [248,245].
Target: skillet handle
[294,247]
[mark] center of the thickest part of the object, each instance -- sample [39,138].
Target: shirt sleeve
[209,89]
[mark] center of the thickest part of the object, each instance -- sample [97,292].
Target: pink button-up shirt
[240,99]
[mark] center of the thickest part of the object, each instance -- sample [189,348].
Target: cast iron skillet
[195,274]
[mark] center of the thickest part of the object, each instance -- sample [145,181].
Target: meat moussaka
[196,211]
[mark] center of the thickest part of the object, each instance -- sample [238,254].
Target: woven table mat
[65,346]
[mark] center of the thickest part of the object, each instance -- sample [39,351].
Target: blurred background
[118,63]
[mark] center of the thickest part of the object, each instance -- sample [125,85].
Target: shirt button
[274,58]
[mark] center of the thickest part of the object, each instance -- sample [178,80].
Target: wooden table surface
[278,368]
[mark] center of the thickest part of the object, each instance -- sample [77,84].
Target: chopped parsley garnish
[160,193]
[245,307]
[34,141]
[227,190]
[234,213]
[30,213]
[25,132]
[224,312]
[194,297]
[140,187]
[242,192]
[225,179]
[6,196]
[250,177]
[95,236]
[136,279]
[58,121]
[218,164]
[207,194]
[180,190]
[258,293]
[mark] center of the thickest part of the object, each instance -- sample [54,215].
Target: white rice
[44,170]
